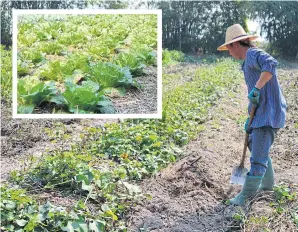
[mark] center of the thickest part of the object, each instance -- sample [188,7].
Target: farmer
[265,93]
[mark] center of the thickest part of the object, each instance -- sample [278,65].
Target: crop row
[60,57]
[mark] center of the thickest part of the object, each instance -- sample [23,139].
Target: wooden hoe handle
[252,115]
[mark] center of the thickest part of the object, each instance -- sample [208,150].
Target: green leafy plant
[51,48]
[32,93]
[99,50]
[72,38]
[33,56]
[240,217]
[76,62]
[86,98]
[283,194]
[60,70]
[61,48]
[131,61]
[110,75]
[171,57]
[19,212]
[53,71]
[26,40]
[147,56]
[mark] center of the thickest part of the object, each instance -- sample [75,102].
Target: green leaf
[86,187]
[153,137]
[21,222]
[130,61]
[58,99]
[26,109]
[110,75]
[92,86]
[9,205]
[80,204]
[107,109]
[80,177]
[82,99]
[110,213]
[45,208]
[89,177]
[97,226]
[29,94]
[80,225]
[69,227]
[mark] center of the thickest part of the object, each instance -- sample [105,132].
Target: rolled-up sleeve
[267,62]
[262,61]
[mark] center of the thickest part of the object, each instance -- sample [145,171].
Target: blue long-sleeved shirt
[271,110]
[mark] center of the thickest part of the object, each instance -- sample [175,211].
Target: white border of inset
[17,12]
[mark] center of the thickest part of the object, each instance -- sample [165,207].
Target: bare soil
[140,101]
[188,196]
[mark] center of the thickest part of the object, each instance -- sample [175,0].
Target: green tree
[190,25]
[279,22]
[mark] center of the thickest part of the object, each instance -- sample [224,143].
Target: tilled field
[189,195]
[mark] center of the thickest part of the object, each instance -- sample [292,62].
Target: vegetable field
[83,63]
[145,175]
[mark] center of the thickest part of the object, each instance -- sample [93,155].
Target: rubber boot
[251,185]
[268,180]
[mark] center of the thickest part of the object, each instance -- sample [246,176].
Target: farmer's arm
[264,78]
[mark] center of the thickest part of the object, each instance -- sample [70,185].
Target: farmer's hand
[254,96]
[246,127]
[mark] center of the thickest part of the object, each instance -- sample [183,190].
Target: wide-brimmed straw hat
[235,33]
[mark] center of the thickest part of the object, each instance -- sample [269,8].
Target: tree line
[190,26]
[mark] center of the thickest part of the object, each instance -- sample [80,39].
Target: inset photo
[87,63]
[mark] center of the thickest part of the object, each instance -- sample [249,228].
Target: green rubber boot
[251,185]
[268,180]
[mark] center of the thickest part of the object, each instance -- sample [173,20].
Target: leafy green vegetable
[58,70]
[26,40]
[85,98]
[100,50]
[32,55]
[110,75]
[145,54]
[132,62]
[51,48]
[32,94]
[76,62]
[53,71]
[19,212]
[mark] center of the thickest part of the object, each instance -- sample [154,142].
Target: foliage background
[189,26]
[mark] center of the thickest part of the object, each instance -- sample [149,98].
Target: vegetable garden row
[103,169]
[75,62]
